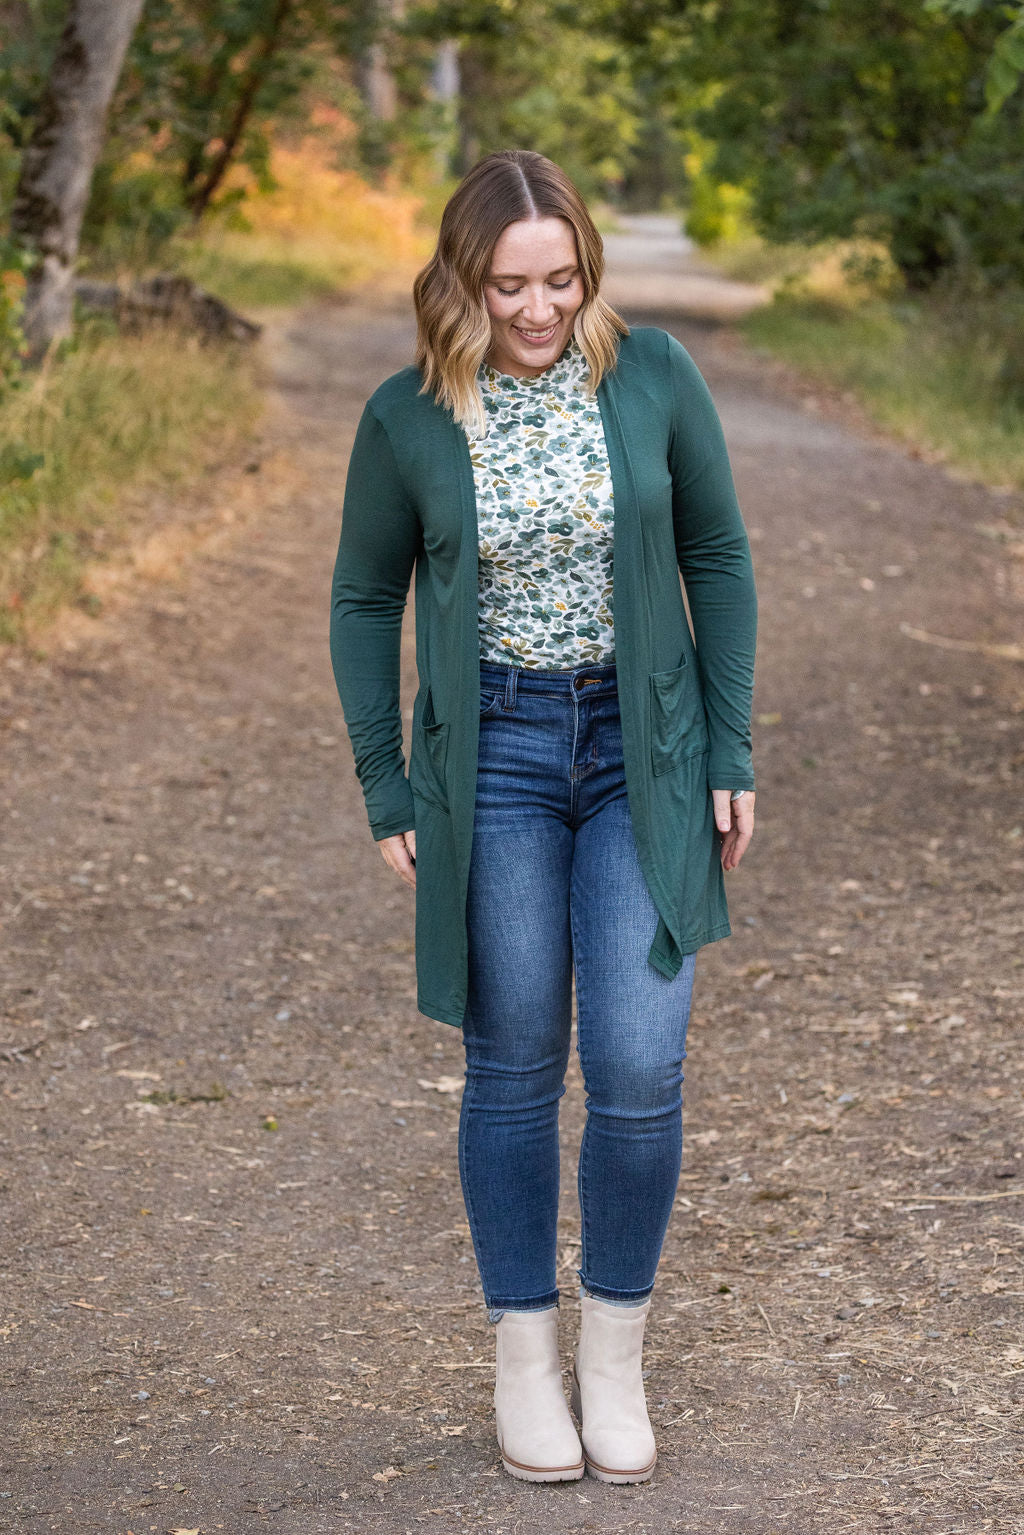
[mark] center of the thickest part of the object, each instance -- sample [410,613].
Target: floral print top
[544,516]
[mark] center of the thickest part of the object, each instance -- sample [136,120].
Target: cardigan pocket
[428,757]
[679,728]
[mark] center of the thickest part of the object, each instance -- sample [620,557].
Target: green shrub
[13,265]
[717,211]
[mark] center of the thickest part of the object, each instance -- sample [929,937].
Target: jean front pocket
[678,724]
[491,700]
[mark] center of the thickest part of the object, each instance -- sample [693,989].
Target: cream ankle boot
[608,1392]
[536,1436]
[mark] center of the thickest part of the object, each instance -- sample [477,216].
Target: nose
[538,308]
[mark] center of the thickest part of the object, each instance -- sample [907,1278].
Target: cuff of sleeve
[730,773]
[396,816]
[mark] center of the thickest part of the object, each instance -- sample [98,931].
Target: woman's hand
[400,854]
[735,820]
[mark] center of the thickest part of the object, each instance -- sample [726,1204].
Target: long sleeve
[380,536]
[714,558]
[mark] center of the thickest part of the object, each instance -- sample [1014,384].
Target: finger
[723,811]
[737,840]
[743,827]
[396,856]
[738,846]
[405,871]
[744,811]
[404,866]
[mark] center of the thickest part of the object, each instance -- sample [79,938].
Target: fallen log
[165,298]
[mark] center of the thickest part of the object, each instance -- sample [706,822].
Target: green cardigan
[410,504]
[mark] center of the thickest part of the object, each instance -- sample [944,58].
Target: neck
[520,370]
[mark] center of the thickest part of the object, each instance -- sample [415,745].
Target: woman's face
[533,290]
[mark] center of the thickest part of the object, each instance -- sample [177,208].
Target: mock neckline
[564,373]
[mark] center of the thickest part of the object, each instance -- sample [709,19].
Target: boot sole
[606,1473]
[543,1473]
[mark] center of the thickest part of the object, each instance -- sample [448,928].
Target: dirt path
[651,265]
[213,1325]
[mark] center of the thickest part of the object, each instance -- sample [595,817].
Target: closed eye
[511,292]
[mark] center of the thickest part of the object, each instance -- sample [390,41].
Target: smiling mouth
[536,337]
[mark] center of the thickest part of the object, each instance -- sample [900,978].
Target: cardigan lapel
[630,603]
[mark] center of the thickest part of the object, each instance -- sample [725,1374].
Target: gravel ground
[237,1284]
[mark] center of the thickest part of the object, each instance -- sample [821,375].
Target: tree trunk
[375,78]
[445,78]
[446,90]
[201,191]
[377,83]
[474,91]
[58,163]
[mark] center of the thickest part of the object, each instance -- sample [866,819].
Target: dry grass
[921,374]
[125,427]
[112,420]
[321,229]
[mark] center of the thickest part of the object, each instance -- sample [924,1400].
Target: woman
[580,770]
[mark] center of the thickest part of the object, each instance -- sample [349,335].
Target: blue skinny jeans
[555,885]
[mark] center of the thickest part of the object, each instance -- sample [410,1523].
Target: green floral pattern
[544,517]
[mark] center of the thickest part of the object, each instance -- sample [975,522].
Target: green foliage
[541,77]
[866,119]
[14,264]
[205,87]
[133,211]
[204,77]
[29,37]
[717,212]
[30,33]
[1006,64]
[248,277]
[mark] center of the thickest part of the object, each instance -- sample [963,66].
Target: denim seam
[465,1110]
[581,1180]
[573,785]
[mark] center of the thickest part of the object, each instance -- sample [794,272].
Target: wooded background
[815,119]
[860,160]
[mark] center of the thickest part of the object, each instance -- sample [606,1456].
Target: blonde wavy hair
[453,325]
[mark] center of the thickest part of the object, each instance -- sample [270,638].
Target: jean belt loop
[510,688]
